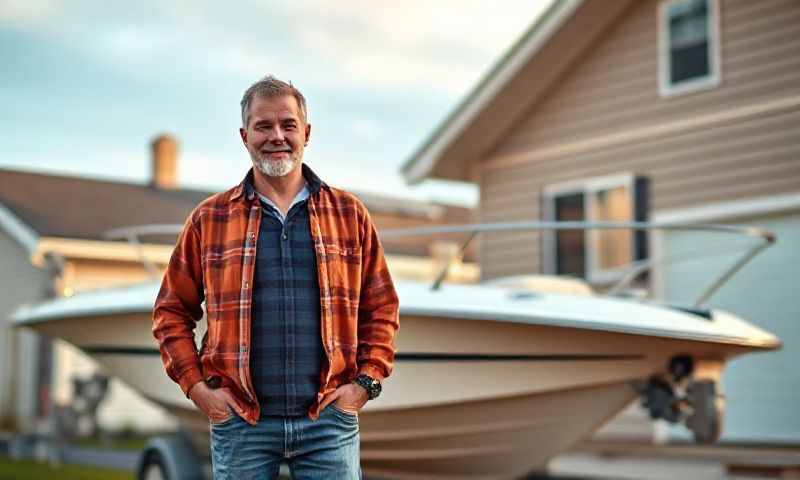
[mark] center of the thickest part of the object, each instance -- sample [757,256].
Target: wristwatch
[372,386]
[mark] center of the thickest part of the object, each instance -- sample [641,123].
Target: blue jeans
[327,448]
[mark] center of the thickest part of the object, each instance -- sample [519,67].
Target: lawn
[131,442]
[29,470]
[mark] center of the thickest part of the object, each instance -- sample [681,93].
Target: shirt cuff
[372,371]
[189,379]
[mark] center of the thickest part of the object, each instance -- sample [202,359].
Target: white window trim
[665,87]
[588,187]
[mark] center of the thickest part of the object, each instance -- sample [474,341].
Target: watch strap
[371,385]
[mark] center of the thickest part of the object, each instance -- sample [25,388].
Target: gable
[519,80]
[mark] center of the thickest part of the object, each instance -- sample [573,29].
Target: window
[596,255]
[570,244]
[688,45]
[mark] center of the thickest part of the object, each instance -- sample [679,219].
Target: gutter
[422,162]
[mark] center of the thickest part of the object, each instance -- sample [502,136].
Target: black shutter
[543,208]
[641,207]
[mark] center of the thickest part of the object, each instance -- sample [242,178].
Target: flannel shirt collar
[246,190]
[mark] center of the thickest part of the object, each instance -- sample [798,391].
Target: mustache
[278,149]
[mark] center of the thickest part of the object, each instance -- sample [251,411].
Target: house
[658,110]
[54,242]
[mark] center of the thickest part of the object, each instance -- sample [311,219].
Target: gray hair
[271,87]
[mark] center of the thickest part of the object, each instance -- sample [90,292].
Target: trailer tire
[169,458]
[153,468]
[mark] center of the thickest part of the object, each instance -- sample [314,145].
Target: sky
[86,85]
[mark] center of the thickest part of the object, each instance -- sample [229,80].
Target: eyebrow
[268,121]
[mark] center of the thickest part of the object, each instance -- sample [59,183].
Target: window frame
[714,78]
[589,188]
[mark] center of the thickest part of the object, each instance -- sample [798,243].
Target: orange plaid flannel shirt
[214,260]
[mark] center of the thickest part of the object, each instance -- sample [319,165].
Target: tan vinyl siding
[614,90]
[754,158]
[702,157]
[616,85]
[508,253]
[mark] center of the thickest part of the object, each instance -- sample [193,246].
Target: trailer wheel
[153,468]
[169,458]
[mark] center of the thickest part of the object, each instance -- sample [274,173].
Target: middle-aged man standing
[301,309]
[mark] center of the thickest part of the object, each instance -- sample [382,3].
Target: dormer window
[688,45]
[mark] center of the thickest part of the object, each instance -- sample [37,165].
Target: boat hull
[468,398]
[493,438]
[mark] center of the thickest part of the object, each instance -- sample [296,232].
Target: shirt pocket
[344,266]
[344,272]
[222,271]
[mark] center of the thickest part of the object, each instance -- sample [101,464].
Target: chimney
[165,162]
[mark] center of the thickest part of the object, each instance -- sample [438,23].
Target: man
[301,309]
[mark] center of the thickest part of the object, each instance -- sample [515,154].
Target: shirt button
[246,284]
[252,235]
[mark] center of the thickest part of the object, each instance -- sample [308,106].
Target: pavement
[38,448]
[96,457]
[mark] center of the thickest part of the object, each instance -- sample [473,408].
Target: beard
[275,168]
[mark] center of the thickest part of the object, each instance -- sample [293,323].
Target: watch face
[371,385]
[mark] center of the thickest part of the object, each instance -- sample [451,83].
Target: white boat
[491,380]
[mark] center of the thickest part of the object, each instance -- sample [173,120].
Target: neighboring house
[53,243]
[674,110]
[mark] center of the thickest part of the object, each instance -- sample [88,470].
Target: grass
[113,443]
[29,470]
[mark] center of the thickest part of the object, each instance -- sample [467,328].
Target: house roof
[43,205]
[525,74]
[84,208]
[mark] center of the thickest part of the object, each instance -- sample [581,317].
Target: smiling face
[275,135]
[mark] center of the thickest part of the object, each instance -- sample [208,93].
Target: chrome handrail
[765,236]
[132,234]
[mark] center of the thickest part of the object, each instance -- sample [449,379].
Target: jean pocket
[350,416]
[226,421]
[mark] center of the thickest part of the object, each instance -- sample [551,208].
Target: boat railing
[133,234]
[632,270]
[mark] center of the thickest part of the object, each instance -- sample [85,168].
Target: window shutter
[641,207]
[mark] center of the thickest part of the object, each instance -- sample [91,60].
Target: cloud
[135,40]
[366,129]
[28,13]
[442,47]
[412,44]
[378,76]
[208,170]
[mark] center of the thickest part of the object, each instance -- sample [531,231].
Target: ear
[308,133]
[243,134]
